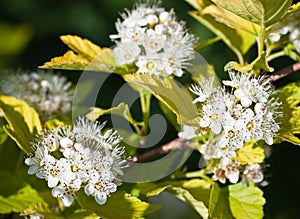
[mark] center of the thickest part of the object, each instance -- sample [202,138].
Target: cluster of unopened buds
[247,113]
[72,157]
[47,93]
[151,39]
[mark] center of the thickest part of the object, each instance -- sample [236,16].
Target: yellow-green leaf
[119,204]
[251,153]
[167,90]
[19,201]
[194,192]
[219,203]
[238,41]
[257,65]
[232,20]
[246,201]
[121,110]
[290,121]
[261,12]
[23,121]
[84,55]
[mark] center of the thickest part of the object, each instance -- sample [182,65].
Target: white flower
[253,173]
[87,158]
[154,34]
[66,192]
[249,89]
[127,52]
[37,160]
[204,89]
[49,94]
[188,132]
[289,27]
[227,169]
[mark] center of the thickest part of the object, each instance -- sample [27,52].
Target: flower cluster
[72,157]
[49,94]
[247,113]
[288,29]
[152,39]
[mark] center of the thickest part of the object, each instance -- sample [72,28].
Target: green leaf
[231,20]
[219,203]
[194,192]
[261,12]
[238,41]
[290,121]
[84,55]
[19,201]
[251,153]
[119,204]
[42,209]
[187,197]
[259,63]
[121,110]
[246,201]
[23,121]
[207,43]
[175,97]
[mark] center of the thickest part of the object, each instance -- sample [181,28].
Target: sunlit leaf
[194,192]
[118,204]
[246,201]
[261,12]
[257,65]
[238,41]
[250,153]
[121,110]
[177,98]
[219,203]
[290,121]
[187,197]
[232,20]
[43,210]
[206,43]
[84,55]
[19,201]
[23,121]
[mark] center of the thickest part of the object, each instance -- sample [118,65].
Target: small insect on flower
[150,38]
[80,156]
[47,93]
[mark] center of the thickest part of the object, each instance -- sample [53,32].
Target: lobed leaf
[18,202]
[219,203]
[261,12]
[194,192]
[119,203]
[290,121]
[246,201]
[84,55]
[166,90]
[121,110]
[251,153]
[23,121]
[259,63]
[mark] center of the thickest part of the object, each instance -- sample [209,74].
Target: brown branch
[284,72]
[177,143]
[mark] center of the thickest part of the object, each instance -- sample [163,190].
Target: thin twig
[178,143]
[285,72]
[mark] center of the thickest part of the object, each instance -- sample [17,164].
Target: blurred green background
[29,36]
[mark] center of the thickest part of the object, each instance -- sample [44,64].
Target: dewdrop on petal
[85,158]
[150,38]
